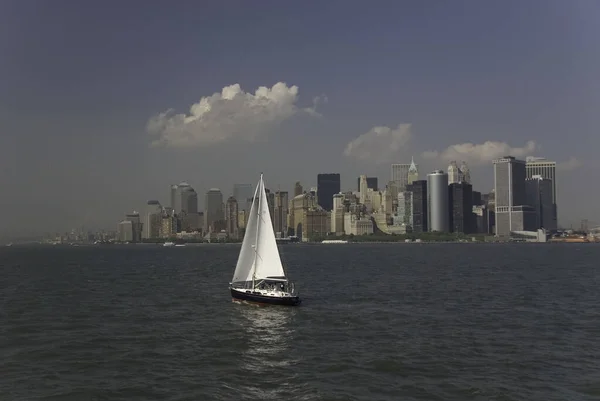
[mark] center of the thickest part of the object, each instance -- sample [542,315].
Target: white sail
[245,262]
[268,262]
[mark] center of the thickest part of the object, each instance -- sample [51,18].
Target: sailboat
[259,276]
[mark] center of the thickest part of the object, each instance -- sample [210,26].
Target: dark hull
[264,300]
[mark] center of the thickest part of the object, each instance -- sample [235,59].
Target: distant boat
[259,276]
[180,245]
[169,243]
[334,241]
[9,244]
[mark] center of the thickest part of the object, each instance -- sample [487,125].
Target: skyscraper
[152,219]
[546,169]
[231,217]
[512,211]
[419,205]
[213,210]
[454,175]
[437,201]
[400,176]
[243,195]
[327,186]
[539,196]
[372,182]
[281,212]
[465,173]
[136,226]
[461,208]
[413,172]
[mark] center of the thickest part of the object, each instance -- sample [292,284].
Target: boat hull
[264,299]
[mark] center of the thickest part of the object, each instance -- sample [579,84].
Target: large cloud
[230,114]
[380,144]
[481,153]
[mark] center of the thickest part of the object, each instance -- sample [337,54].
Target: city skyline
[105,106]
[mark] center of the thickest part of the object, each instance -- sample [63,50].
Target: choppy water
[378,322]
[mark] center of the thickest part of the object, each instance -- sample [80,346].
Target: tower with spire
[413,171]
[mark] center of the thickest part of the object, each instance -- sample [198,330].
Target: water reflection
[269,333]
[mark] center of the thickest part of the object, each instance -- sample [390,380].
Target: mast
[260,189]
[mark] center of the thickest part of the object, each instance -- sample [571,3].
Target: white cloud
[481,153]
[380,144]
[231,114]
[570,165]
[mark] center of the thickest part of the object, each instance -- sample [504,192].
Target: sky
[103,105]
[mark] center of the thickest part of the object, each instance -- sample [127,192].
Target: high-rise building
[362,189]
[461,208]
[231,217]
[213,210]
[465,173]
[400,176]
[281,212]
[337,214]
[512,211]
[437,201]
[546,169]
[454,174]
[298,190]
[404,211]
[125,231]
[539,196]
[327,186]
[413,172]
[152,219]
[372,182]
[136,226]
[243,195]
[419,205]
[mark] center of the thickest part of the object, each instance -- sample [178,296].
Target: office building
[539,196]
[437,201]
[327,186]
[372,183]
[546,169]
[512,211]
[419,206]
[461,208]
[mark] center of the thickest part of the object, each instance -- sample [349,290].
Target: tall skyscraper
[281,212]
[298,190]
[512,211]
[454,175]
[152,219]
[400,176]
[546,169]
[419,206]
[136,226]
[213,210]
[362,189]
[372,182]
[243,195]
[461,208]
[413,172]
[539,196]
[231,217]
[465,173]
[327,186]
[437,201]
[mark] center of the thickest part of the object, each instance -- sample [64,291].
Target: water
[378,322]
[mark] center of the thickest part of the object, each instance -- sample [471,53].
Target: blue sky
[80,81]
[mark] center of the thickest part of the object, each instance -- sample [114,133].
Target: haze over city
[103,106]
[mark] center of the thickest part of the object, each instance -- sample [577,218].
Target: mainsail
[268,262]
[259,256]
